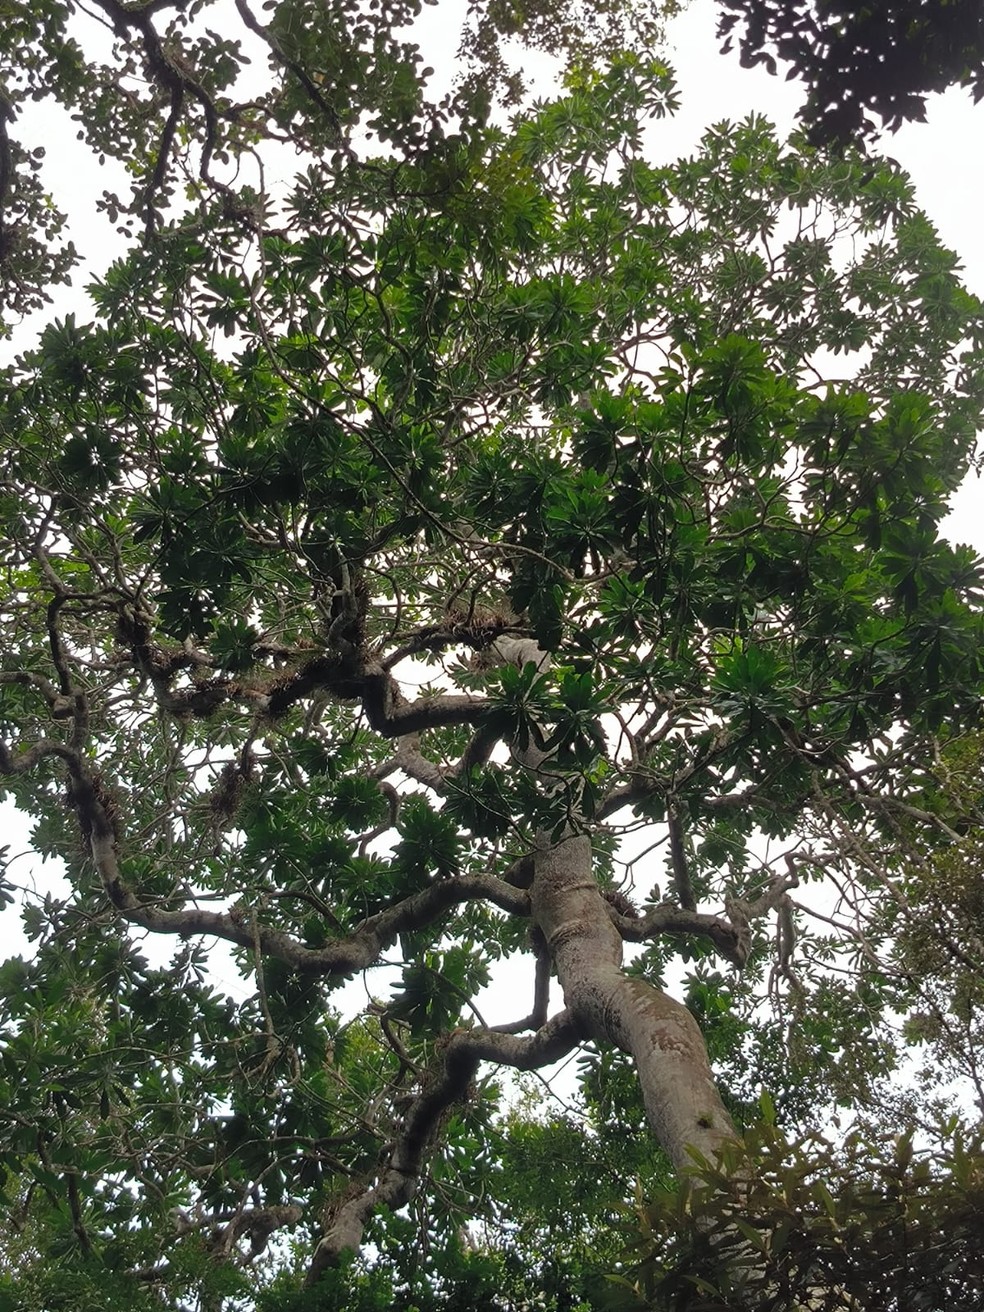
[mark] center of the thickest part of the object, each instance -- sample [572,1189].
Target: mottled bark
[681,1099]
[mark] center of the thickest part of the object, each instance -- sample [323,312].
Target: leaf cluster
[865,68]
[853,1223]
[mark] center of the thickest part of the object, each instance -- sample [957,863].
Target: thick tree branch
[445,1085]
[391,715]
[359,950]
[519,873]
[417,766]
[682,1102]
[478,751]
[24,759]
[256,1223]
[387,710]
[728,936]
[409,759]
[346,677]
[62,707]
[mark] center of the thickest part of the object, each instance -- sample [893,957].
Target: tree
[382,559]
[858,60]
[185,94]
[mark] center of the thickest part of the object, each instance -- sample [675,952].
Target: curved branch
[60,705]
[256,1223]
[445,1085]
[541,992]
[639,789]
[519,873]
[28,757]
[386,709]
[357,951]
[478,750]
[415,765]
[393,804]
[347,676]
[391,715]
[277,50]
[729,936]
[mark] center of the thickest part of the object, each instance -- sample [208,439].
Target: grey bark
[681,1098]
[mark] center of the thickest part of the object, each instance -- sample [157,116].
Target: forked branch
[447,1083]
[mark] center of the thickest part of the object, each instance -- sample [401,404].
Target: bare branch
[541,992]
[729,935]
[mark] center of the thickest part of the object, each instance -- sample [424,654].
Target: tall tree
[383,560]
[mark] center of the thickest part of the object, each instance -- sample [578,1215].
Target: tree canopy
[185,95]
[502,552]
[880,59]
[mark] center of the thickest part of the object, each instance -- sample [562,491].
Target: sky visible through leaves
[941,155]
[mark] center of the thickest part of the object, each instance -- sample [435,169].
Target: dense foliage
[865,67]
[857,1224]
[186,96]
[447,567]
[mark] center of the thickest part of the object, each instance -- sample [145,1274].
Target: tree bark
[682,1102]
[681,1099]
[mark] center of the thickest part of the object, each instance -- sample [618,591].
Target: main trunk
[681,1099]
[660,1035]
